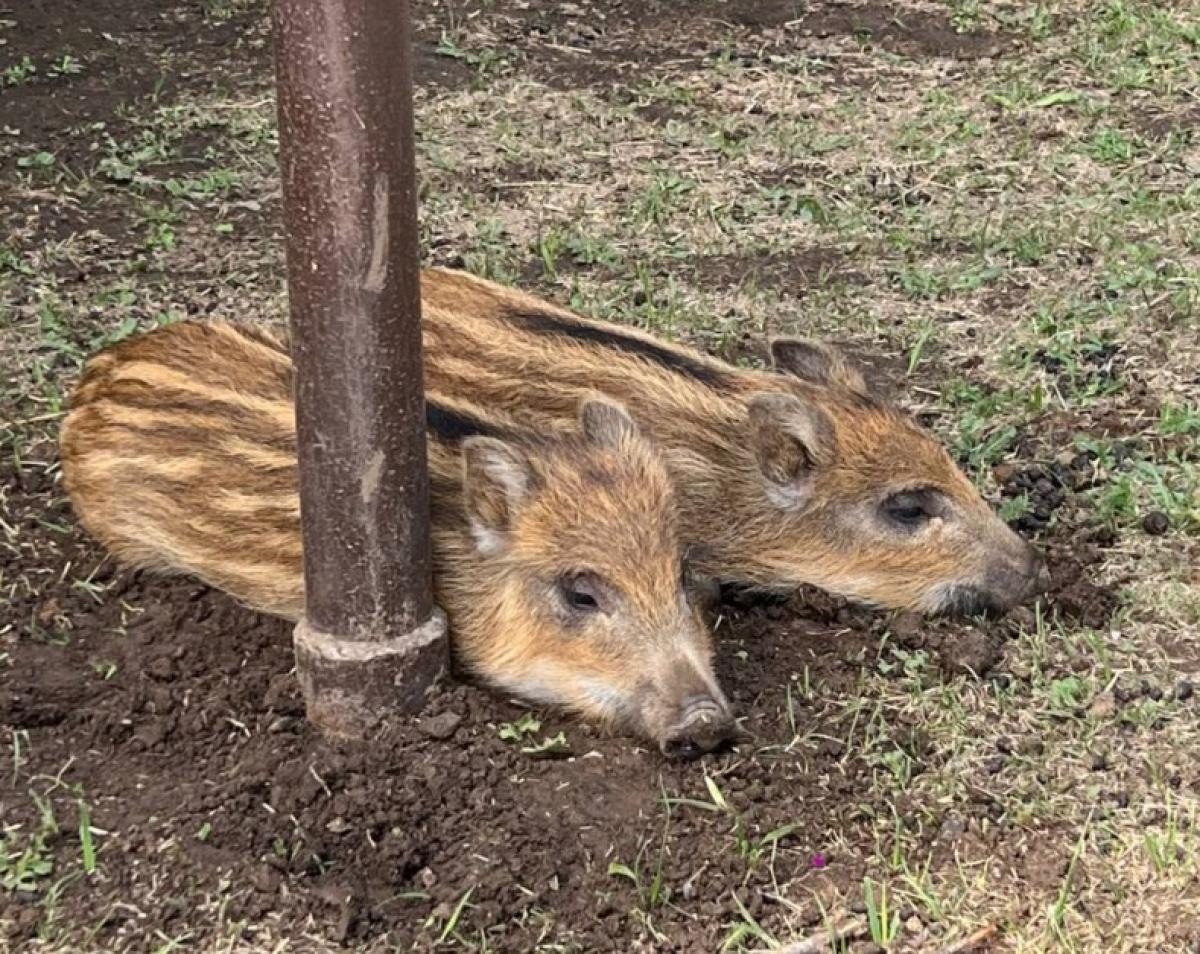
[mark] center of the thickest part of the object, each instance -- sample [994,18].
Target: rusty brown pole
[372,641]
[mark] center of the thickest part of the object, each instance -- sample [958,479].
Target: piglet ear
[605,422]
[497,481]
[815,362]
[791,439]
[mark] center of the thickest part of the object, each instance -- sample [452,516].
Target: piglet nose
[705,724]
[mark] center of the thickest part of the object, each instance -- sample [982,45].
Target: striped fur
[179,455]
[784,478]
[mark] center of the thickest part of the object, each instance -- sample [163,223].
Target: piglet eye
[581,592]
[580,600]
[909,508]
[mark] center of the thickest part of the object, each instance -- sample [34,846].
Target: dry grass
[988,226]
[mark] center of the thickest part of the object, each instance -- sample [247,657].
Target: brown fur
[179,455]
[784,478]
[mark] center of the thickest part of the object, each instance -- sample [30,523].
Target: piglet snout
[704,724]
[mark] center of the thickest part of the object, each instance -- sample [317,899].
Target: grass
[526,726]
[1022,234]
[26,860]
[883,920]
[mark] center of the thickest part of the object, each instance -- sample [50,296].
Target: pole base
[350,686]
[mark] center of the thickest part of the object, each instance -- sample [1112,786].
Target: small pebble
[440,726]
[1156,523]
[266,879]
[1184,691]
[1004,473]
[1105,537]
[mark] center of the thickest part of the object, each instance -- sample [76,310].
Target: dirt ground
[992,205]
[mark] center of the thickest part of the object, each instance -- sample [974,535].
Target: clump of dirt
[1085,603]
[1099,366]
[1049,491]
[662,111]
[959,649]
[1044,487]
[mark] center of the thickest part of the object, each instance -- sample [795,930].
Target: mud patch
[584,44]
[654,38]
[85,66]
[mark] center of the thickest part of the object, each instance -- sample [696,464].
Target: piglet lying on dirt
[556,557]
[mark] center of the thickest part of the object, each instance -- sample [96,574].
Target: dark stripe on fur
[234,420]
[544,323]
[452,427]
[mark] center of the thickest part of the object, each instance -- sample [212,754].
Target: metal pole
[372,641]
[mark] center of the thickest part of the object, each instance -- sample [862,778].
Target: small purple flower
[819,860]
